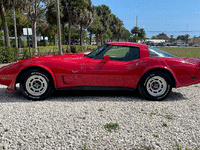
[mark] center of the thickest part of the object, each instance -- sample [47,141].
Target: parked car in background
[196,45]
[160,44]
[182,44]
[167,44]
[116,65]
[73,42]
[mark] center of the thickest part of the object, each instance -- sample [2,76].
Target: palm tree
[9,4]
[85,18]
[142,33]
[116,26]
[103,11]
[95,27]
[135,30]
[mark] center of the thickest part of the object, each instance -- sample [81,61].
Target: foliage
[8,54]
[183,37]
[116,26]
[35,9]
[85,17]
[21,22]
[125,34]
[104,12]
[135,30]
[134,39]
[111,126]
[162,36]
[137,34]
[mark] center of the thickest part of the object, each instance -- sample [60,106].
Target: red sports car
[116,65]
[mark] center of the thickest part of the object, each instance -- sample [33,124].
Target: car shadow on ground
[82,95]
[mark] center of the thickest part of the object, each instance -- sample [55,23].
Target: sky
[173,17]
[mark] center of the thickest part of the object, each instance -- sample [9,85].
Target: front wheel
[155,86]
[36,85]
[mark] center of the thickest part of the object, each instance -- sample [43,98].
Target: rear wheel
[155,86]
[36,85]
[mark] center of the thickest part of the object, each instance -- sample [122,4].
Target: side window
[123,53]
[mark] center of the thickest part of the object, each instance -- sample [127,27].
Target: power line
[175,31]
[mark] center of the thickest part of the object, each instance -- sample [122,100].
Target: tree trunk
[63,26]
[19,42]
[97,39]
[69,35]
[101,39]
[5,26]
[91,38]
[15,28]
[81,30]
[34,38]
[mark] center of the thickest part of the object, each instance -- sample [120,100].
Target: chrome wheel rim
[156,86]
[36,85]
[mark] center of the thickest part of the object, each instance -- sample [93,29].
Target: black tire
[36,85]
[155,86]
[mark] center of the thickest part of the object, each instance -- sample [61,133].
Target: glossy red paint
[72,70]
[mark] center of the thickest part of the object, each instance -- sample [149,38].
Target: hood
[191,60]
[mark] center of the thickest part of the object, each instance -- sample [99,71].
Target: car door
[120,71]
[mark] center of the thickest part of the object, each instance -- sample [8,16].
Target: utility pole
[59,29]
[136,20]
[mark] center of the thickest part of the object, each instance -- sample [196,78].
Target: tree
[116,26]
[35,9]
[135,30]
[21,22]
[153,37]
[125,34]
[171,38]
[142,33]
[103,11]
[95,28]
[72,12]
[44,29]
[162,36]
[51,16]
[85,18]
[138,33]
[9,4]
[187,38]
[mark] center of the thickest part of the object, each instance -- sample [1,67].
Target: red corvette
[116,65]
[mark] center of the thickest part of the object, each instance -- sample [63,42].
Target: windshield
[154,52]
[97,51]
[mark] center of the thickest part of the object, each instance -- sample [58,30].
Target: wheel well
[161,70]
[30,68]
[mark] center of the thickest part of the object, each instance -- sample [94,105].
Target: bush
[98,46]
[65,49]
[2,42]
[23,43]
[74,49]
[92,47]
[8,54]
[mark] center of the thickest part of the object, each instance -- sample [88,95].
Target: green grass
[182,52]
[111,126]
[118,52]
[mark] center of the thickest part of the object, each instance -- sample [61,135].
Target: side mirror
[106,57]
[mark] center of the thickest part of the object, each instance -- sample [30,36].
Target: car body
[116,65]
